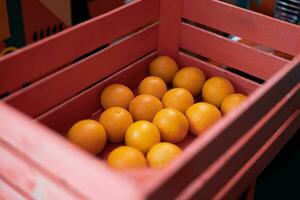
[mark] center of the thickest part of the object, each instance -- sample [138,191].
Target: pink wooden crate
[54,85]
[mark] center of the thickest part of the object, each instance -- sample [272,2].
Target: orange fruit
[142,135]
[172,125]
[144,107]
[115,121]
[89,135]
[178,98]
[216,89]
[126,157]
[163,67]
[116,95]
[153,85]
[162,154]
[201,116]
[190,78]
[231,102]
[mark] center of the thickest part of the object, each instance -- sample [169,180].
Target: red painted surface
[221,163]
[234,54]
[98,7]
[245,24]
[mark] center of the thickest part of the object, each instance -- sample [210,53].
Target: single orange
[231,102]
[116,95]
[161,154]
[216,89]
[89,135]
[142,135]
[164,67]
[178,98]
[144,107]
[126,157]
[153,85]
[172,125]
[190,78]
[201,116]
[115,120]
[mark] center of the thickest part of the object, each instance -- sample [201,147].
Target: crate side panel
[245,24]
[63,116]
[53,52]
[234,54]
[64,84]
[36,141]
[7,192]
[216,176]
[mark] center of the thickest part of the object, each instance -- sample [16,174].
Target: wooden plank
[29,180]
[206,149]
[63,116]
[169,27]
[241,84]
[250,195]
[7,192]
[56,88]
[76,169]
[217,175]
[55,51]
[245,24]
[260,160]
[236,55]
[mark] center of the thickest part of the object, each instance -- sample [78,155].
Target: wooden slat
[217,175]
[169,27]
[63,116]
[61,160]
[207,148]
[234,54]
[29,180]
[49,92]
[260,160]
[7,192]
[245,24]
[241,84]
[42,57]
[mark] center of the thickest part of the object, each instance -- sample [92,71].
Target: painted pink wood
[29,179]
[56,88]
[241,84]
[217,175]
[251,192]
[260,160]
[169,27]
[7,192]
[234,54]
[62,161]
[206,149]
[57,50]
[245,24]
[63,116]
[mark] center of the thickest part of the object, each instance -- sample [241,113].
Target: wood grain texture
[227,165]
[241,84]
[242,57]
[64,84]
[206,149]
[75,169]
[7,192]
[57,50]
[29,180]
[63,116]
[245,24]
[260,160]
[169,27]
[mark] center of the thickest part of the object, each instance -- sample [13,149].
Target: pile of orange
[160,116]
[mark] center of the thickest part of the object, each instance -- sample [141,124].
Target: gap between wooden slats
[234,54]
[56,88]
[34,61]
[246,24]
